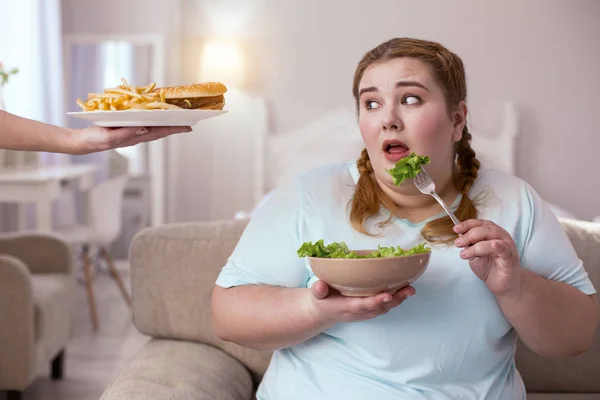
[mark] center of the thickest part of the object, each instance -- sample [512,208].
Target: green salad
[340,250]
[407,167]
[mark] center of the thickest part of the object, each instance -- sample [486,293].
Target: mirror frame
[156,149]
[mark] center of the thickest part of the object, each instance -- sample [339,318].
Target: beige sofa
[173,269]
[36,301]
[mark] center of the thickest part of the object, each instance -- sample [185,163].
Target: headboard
[335,137]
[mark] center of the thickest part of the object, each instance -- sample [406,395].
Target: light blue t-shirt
[449,341]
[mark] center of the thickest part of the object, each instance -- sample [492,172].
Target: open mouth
[394,150]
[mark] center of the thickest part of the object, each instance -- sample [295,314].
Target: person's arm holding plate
[17,133]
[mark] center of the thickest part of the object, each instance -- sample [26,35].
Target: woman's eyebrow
[399,84]
[411,83]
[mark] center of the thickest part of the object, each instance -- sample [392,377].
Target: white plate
[146,117]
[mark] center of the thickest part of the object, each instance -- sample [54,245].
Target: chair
[36,298]
[104,207]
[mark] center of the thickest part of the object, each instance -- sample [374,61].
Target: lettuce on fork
[340,250]
[407,167]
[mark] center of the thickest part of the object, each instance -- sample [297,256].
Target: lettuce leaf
[318,249]
[340,250]
[407,167]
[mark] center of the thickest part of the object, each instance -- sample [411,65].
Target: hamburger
[197,96]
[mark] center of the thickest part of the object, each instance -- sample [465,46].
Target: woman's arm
[266,317]
[263,317]
[552,318]
[17,133]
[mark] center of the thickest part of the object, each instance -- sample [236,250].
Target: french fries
[127,97]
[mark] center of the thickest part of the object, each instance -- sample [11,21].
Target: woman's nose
[391,121]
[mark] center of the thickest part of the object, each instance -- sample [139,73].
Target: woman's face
[402,109]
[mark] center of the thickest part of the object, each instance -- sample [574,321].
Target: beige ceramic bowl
[369,276]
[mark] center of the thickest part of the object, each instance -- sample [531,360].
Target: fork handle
[448,211]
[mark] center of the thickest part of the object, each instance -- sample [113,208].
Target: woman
[512,271]
[17,133]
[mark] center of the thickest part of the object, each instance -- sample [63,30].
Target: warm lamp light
[222,61]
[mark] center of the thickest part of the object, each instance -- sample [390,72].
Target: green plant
[5,74]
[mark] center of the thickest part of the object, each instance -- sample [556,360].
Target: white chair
[104,211]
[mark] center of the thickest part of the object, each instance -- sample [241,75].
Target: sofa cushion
[173,270]
[52,295]
[51,306]
[570,374]
[178,370]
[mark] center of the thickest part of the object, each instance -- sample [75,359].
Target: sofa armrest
[17,351]
[568,374]
[42,253]
[178,370]
[173,273]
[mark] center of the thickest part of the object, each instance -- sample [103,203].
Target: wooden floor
[93,359]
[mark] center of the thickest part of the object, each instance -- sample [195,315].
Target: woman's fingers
[131,138]
[464,226]
[399,297]
[478,234]
[382,302]
[361,305]
[488,248]
[320,290]
[330,305]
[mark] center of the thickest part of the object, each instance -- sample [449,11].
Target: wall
[301,56]
[128,17]
[134,17]
[543,54]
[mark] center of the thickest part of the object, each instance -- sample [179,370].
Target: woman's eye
[410,100]
[371,104]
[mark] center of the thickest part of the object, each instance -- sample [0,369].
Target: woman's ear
[459,117]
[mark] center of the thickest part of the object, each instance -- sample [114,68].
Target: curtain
[32,41]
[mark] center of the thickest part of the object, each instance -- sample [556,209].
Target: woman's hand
[330,307]
[95,138]
[492,255]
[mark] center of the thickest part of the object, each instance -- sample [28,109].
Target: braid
[467,161]
[440,230]
[368,196]
[364,163]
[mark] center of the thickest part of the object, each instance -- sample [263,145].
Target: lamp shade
[222,61]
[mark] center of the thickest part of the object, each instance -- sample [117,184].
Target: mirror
[96,62]
[94,65]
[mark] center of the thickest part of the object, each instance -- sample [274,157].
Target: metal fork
[425,184]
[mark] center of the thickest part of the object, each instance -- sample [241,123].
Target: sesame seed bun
[206,89]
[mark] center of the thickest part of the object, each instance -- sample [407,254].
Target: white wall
[212,168]
[543,54]
[130,18]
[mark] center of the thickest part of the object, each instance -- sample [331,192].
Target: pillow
[561,212]
[494,153]
[497,151]
[332,138]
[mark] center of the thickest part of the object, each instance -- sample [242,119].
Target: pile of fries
[126,97]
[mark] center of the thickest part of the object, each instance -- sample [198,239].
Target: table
[41,185]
